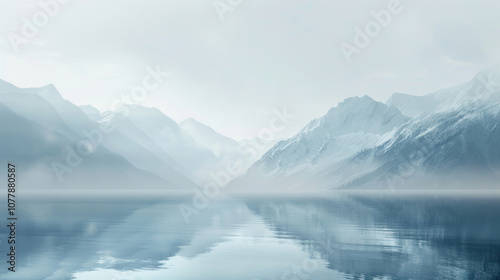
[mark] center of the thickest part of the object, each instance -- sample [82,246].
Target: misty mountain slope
[34,149]
[226,150]
[484,88]
[129,130]
[71,114]
[355,124]
[411,105]
[183,140]
[24,140]
[171,138]
[70,120]
[462,144]
[92,112]
[452,141]
[80,123]
[205,136]
[34,108]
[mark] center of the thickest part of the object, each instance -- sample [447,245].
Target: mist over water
[346,236]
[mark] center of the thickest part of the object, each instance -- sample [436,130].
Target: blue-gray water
[339,237]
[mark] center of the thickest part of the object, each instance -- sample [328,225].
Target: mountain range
[59,145]
[446,139]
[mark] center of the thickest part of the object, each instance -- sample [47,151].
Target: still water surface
[334,237]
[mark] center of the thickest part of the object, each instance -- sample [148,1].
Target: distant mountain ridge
[40,118]
[449,137]
[194,148]
[482,88]
[355,124]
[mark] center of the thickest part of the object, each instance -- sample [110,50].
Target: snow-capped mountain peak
[484,88]
[356,123]
[356,114]
[449,136]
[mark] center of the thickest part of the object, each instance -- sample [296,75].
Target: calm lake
[377,236]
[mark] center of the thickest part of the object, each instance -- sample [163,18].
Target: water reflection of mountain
[359,236]
[402,237]
[77,235]
[59,237]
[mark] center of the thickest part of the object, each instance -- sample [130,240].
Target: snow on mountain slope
[356,123]
[452,140]
[411,105]
[456,145]
[484,88]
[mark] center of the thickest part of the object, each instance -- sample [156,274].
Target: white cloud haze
[231,73]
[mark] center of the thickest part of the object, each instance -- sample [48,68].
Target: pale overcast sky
[230,68]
